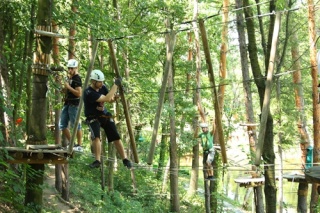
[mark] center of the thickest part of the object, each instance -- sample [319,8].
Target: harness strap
[93,118]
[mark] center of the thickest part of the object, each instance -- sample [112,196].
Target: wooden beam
[267,93]
[168,64]
[215,96]
[51,34]
[86,83]
[124,103]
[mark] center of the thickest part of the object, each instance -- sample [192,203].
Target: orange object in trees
[18,121]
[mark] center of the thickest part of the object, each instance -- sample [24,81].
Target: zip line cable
[226,84]
[233,168]
[147,33]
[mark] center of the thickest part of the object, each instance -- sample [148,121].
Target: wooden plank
[295,177]
[249,181]
[37,161]
[252,184]
[18,155]
[50,146]
[313,174]
[18,149]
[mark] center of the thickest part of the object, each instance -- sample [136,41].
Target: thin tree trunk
[163,150]
[215,186]
[29,68]
[165,177]
[57,100]
[196,102]
[315,97]
[268,152]
[5,24]
[301,123]
[72,32]
[223,53]
[251,129]
[195,165]
[174,191]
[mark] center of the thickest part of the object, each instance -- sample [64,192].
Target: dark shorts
[107,124]
[205,157]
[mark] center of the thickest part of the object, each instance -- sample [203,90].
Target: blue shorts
[68,114]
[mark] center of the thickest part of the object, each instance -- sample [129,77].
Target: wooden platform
[295,177]
[249,181]
[313,174]
[37,154]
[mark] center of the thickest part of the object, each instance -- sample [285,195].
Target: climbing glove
[118,81]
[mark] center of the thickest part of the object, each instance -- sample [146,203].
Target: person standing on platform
[73,91]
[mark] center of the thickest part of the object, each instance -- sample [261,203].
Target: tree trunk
[301,123]
[251,129]
[174,190]
[163,150]
[315,97]
[267,152]
[37,133]
[111,165]
[216,186]
[57,100]
[195,165]
[29,69]
[223,52]
[72,32]
[3,68]
[196,102]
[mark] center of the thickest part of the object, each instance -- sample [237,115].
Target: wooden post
[161,98]
[267,92]
[215,98]
[124,103]
[86,82]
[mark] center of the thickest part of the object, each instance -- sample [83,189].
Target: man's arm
[77,91]
[109,96]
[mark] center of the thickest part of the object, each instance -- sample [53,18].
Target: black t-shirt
[90,97]
[74,82]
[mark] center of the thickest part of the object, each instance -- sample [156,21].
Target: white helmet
[203,125]
[72,63]
[97,75]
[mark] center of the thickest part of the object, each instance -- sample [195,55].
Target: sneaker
[127,163]
[211,178]
[78,148]
[95,164]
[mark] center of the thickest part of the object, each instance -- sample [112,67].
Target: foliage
[11,188]
[138,29]
[87,194]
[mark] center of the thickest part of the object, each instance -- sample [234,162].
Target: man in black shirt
[73,91]
[97,116]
